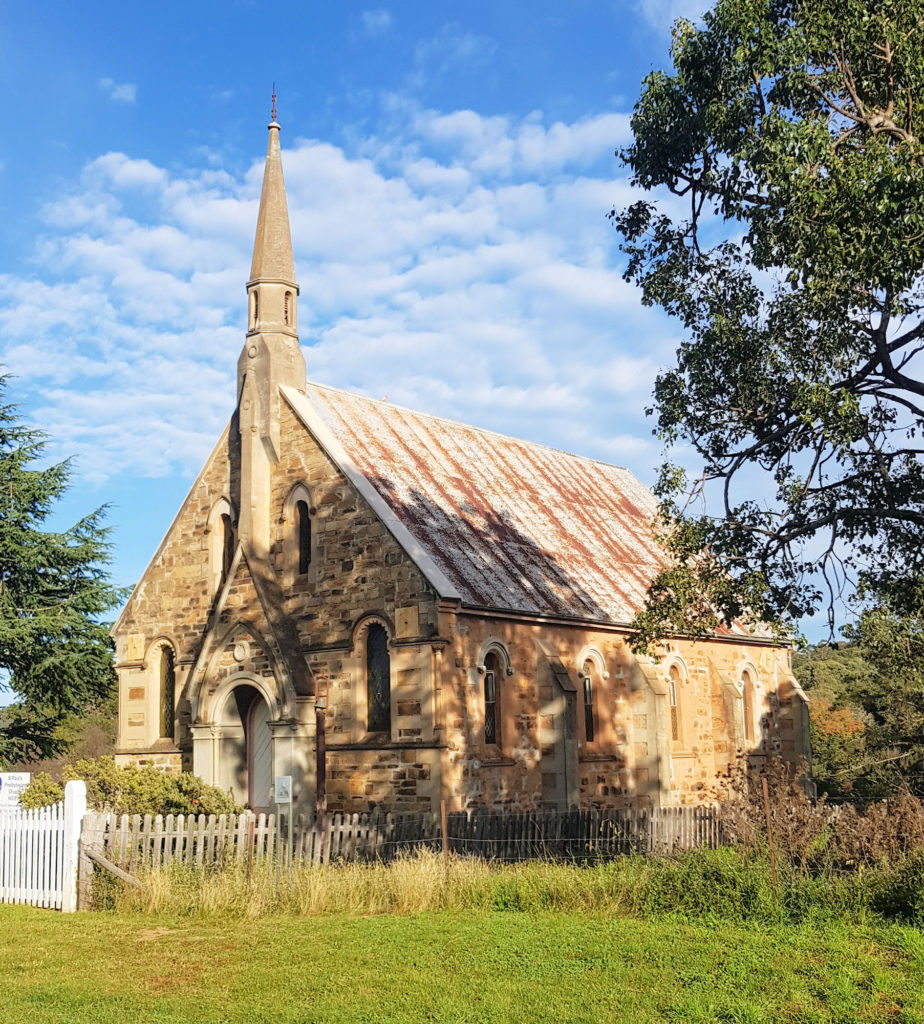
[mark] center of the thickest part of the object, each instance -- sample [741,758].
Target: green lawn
[110,968]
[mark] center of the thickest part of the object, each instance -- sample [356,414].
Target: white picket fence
[39,851]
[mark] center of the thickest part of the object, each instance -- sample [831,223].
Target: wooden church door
[259,755]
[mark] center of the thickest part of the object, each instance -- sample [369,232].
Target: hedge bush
[130,790]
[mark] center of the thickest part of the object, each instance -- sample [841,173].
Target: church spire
[271,291]
[272,249]
[271,357]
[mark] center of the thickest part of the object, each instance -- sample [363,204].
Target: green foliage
[793,131]
[868,706]
[44,739]
[131,790]
[54,587]
[898,895]
[720,883]
[832,672]
[846,763]
[732,885]
[893,641]
[42,791]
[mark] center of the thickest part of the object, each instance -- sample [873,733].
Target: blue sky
[449,169]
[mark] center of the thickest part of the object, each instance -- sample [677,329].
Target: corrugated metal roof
[511,525]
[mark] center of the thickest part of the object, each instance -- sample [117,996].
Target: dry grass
[408,885]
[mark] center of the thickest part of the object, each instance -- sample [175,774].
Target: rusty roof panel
[513,525]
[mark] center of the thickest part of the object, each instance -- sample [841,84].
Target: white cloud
[121,92]
[376,22]
[482,289]
[451,48]
[495,145]
[663,13]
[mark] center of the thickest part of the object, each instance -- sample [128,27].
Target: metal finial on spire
[274,102]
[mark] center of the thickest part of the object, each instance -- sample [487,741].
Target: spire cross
[274,102]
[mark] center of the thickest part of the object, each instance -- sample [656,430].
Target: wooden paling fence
[150,842]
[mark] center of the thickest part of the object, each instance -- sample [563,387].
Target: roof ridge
[472,426]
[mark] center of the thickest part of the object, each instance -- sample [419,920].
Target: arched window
[227,545]
[303,525]
[286,307]
[587,674]
[747,701]
[167,691]
[256,309]
[492,673]
[674,683]
[220,531]
[378,679]
[296,529]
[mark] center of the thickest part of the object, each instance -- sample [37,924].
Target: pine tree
[55,652]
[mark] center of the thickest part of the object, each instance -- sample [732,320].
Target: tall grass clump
[726,884]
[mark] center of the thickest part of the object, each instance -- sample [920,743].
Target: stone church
[447,607]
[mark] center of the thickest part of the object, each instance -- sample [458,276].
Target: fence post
[75,807]
[443,831]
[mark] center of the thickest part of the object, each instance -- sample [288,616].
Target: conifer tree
[55,652]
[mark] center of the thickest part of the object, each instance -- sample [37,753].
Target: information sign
[11,785]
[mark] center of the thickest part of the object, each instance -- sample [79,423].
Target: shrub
[42,791]
[885,832]
[800,827]
[131,790]
[814,837]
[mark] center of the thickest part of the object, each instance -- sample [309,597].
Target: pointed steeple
[271,357]
[272,249]
[272,290]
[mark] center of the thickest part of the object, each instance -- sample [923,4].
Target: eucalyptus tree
[785,230]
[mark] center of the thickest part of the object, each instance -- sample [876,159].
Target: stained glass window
[378,679]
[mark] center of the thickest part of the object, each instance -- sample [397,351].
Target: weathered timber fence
[39,849]
[582,836]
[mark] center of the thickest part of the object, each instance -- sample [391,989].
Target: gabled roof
[497,522]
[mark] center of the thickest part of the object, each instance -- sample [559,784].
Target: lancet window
[167,695]
[378,679]
[492,673]
[588,677]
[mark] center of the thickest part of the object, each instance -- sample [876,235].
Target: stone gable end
[172,597]
[357,567]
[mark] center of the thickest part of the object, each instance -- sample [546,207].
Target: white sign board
[283,789]
[11,785]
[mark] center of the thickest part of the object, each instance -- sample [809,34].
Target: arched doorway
[245,755]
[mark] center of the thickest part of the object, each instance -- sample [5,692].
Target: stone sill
[386,745]
[591,756]
[497,761]
[145,750]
